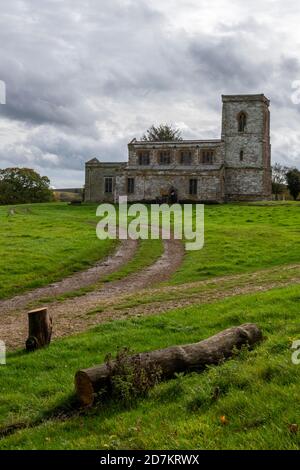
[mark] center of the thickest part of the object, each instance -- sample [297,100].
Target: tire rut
[65,314]
[78,280]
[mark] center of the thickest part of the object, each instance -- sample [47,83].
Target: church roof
[242,98]
[93,160]
[180,143]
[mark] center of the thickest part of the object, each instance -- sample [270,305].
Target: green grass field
[258,390]
[42,243]
[242,238]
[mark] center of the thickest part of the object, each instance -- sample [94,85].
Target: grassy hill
[42,243]
[243,238]
[258,391]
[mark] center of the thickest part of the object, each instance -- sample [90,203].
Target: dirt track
[121,256]
[13,326]
[109,301]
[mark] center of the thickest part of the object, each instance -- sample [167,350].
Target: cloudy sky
[83,77]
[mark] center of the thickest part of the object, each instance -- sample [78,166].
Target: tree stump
[172,360]
[40,329]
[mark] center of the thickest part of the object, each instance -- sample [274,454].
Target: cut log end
[252,332]
[84,388]
[40,329]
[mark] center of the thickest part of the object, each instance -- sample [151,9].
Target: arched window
[242,120]
[241,155]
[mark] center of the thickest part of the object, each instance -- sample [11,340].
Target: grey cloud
[83,78]
[226,63]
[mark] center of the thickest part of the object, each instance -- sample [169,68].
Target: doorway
[172,197]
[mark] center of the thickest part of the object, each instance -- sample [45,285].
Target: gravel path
[105,304]
[65,314]
[113,262]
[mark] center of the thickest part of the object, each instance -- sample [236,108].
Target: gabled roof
[93,160]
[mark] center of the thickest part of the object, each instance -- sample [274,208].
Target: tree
[293,181]
[163,132]
[23,185]
[278,179]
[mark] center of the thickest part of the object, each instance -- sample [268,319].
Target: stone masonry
[235,168]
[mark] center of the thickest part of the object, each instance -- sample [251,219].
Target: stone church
[236,167]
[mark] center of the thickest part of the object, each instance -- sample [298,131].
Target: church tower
[246,138]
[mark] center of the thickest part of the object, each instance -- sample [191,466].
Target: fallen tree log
[40,329]
[175,359]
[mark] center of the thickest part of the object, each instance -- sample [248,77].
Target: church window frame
[144,157]
[193,186]
[130,185]
[185,157]
[108,184]
[164,157]
[242,121]
[207,156]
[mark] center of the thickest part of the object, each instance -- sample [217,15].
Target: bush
[129,379]
[293,180]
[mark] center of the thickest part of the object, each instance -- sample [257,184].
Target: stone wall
[245,184]
[249,178]
[95,175]
[175,149]
[153,185]
[228,177]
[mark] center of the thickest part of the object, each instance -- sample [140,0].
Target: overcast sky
[84,77]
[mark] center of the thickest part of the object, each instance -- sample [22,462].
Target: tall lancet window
[242,121]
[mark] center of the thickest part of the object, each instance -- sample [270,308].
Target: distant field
[244,237]
[42,243]
[257,392]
